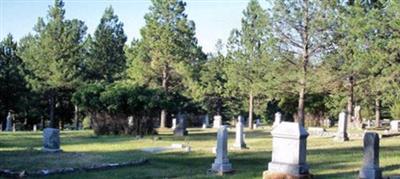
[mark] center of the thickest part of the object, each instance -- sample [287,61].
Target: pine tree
[304,31]
[168,53]
[249,55]
[106,57]
[13,85]
[53,55]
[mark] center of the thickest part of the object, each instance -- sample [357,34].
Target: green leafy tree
[168,55]
[53,55]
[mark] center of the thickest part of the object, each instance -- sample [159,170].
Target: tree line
[308,59]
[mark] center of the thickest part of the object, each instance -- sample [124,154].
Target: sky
[214,18]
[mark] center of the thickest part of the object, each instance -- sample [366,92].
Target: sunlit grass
[327,159]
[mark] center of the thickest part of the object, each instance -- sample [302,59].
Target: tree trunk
[251,101]
[350,100]
[306,56]
[76,117]
[300,108]
[52,105]
[377,112]
[163,117]
[43,122]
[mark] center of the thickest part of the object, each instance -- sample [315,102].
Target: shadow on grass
[334,162]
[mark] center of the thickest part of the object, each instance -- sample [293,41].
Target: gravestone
[51,140]
[173,123]
[328,123]
[221,163]
[370,168]
[394,126]
[257,123]
[9,122]
[289,150]
[369,124]
[316,131]
[341,134]
[34,127]
[205,121]
[217,121]
[357,117]
[278,119]
[239,140]
[180,129]
[130,121]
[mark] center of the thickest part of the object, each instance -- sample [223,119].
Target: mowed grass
[327,159]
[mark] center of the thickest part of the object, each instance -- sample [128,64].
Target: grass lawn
[327,159]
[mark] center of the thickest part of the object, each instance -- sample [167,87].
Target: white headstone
[221,163]
[239,140]
[130,121]
[341,134]
[9,122]
[328,123]
[173,123]
[369,124]
[217,121]
[34,127]
[394,126]
[289,150]
[278,119]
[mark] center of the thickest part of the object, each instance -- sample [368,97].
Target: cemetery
[276,89]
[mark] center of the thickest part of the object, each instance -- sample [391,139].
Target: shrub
[395,111]
[111,105]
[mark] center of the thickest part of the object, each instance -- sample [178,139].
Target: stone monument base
[180,133]
[276,175]
[221,168]
[341,137]
[51,140]
[370,173]
[51,150]
[288,168]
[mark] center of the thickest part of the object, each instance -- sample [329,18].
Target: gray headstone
[239,140]
[217,121]
[9,122]
[370,168]
[341,134]
[278,119]
[289,149]
[206,121]
[394,126]
[221,163]
[51,140]
[180,129]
